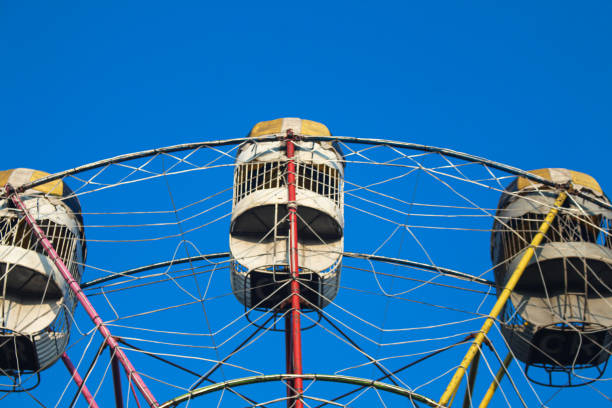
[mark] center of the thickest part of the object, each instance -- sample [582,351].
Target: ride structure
[557,317]
[287,189]
[389,330]
[36,301]
[36,294]
[287,227]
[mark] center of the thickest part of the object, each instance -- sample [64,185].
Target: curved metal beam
[433,268]
[346,139]
[154,266]
[132,156]
[355,255]
[318,377]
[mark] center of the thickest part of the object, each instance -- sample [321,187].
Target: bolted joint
[8,190]
[292,136]
[569,186]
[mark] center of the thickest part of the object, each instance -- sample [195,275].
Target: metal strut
[496,381]
[451,389]
[91,402]
[82,298]
[292,324]
[116,381]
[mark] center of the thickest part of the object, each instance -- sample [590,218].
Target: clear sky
[524,83]
[521,83]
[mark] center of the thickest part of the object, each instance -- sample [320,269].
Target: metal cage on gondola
[37,303]
[557,316]
[259,227]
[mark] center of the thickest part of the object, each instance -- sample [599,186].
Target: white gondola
[36,301]
[558,317]
[259,226]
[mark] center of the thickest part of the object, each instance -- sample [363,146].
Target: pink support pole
[134,394]
[76,289]
[78,381]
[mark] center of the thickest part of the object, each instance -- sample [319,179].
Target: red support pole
[76,289]
[296,339]
[117,381]
[79,381]
[288,364]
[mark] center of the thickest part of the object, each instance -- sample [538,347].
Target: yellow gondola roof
[57,188]
[579,181]
[19,177]
[280,126]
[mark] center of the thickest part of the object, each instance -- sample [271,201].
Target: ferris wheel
[295,268]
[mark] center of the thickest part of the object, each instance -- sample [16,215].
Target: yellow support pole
[498,377]
[451,389]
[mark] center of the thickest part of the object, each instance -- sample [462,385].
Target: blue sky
[523,83]
[527,85]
